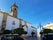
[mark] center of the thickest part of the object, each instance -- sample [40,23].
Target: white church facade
[10,21]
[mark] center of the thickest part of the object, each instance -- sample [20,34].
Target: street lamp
[13,26]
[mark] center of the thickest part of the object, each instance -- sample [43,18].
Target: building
[10,21]
[48,26]
[48,33]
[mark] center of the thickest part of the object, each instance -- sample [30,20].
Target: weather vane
[18,1]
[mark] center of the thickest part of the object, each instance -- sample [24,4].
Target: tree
[45,31]
[19,31]
[6,32]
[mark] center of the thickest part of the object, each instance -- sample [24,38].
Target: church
[10,21]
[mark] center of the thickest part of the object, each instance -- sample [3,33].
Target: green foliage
[15,31]
[45,31]
[19,31]
[6,32]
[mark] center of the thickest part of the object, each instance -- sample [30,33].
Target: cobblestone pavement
[31,38]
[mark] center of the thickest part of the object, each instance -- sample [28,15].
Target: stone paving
[31,38]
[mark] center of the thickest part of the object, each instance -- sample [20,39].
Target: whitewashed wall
[10,25]
[1,19]
[34,29]
[29,29]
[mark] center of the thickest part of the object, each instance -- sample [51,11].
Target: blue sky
[33,11]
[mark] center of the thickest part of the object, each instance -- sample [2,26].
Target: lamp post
[0,10]
[13,26]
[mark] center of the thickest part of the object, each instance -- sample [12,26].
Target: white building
[48,26]
[9,22]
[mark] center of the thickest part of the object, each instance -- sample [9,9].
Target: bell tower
[13,11]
